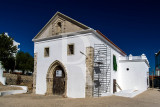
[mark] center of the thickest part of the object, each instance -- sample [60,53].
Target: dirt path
[150,98]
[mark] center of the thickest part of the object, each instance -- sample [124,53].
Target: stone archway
[52,79]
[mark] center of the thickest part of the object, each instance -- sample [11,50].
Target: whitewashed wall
[75,64]
[135,78]
[95,40]
[2,79]
[114,74]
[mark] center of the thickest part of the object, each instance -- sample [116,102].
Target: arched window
[59,28]
[59,24]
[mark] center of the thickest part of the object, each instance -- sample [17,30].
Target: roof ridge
[110,41]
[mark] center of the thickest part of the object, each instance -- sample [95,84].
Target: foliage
[9,64]
[114,63]
[24,62]
[7,51]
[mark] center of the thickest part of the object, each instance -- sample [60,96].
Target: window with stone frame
[70,49]
[46,52]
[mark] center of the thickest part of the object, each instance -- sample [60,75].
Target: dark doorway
[114,86]
[58,81]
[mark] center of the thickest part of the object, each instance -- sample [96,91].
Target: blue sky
[133,25]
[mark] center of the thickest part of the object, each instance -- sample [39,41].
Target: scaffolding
[102,69]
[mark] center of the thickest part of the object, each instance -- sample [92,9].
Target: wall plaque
[58,73]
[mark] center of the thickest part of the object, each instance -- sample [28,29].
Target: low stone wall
[6,88]
[22,80]
[13,89]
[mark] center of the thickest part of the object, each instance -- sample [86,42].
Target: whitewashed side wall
[114,74]
[75,64]
[135,78]
[1,73]
[2,79]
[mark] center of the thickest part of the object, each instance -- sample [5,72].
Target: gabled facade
[60,24]
[74,60]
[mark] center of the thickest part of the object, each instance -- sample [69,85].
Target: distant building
[157,63]
[157,70]
[3,79]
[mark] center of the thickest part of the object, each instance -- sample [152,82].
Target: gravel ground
[150,98]
[7,88]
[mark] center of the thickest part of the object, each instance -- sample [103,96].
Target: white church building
[76,61]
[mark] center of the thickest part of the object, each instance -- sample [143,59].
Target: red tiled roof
[110,41]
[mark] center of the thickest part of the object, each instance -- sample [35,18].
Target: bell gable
[59,24]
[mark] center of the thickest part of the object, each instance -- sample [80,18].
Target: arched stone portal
[56,79]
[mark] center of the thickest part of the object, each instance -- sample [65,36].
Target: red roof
[110,41]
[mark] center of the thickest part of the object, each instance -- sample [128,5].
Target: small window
[59,28]
[59,24]
[46,52]
[70,50]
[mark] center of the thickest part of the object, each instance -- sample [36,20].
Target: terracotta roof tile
[110,41]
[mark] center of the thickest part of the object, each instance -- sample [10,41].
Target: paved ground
[150,98]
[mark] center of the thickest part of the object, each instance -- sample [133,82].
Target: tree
[24,62]
[7,51]
[9,64]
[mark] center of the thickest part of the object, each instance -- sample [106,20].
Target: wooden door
[59,81]
[114,86]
